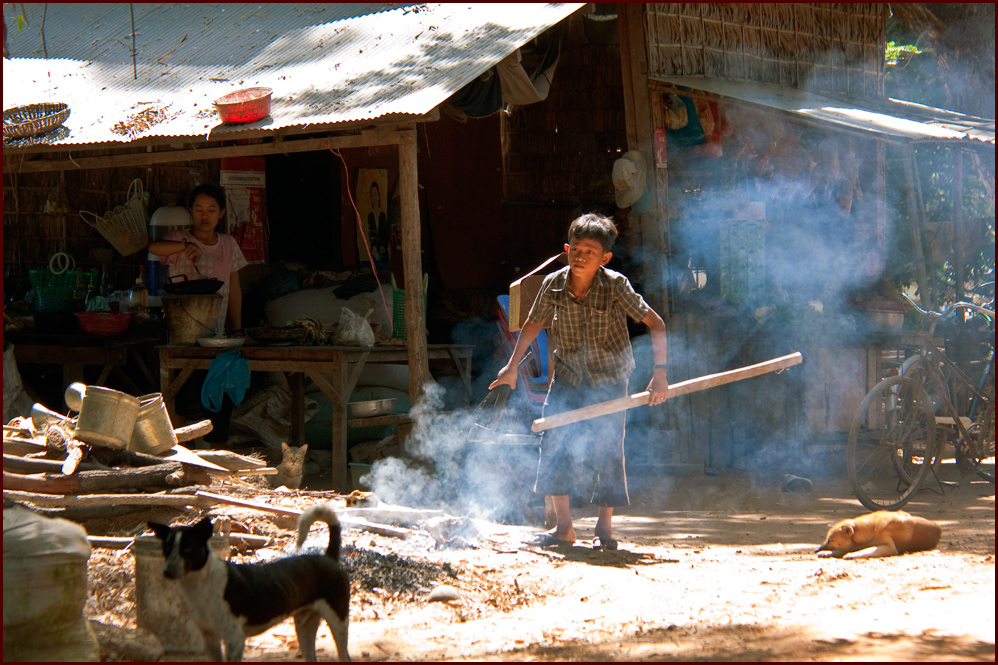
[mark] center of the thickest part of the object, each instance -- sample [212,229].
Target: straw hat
[629,178]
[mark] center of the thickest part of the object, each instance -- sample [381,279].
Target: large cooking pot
[192,287]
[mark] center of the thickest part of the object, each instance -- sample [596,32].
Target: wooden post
[915,220]
[639,126]
[415,319]
[959,232]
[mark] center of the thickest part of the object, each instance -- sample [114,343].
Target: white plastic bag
[354,330]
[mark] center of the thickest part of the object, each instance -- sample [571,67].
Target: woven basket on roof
[33,119]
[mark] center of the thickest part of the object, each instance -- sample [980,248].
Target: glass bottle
[91,289]
[138,297]
[105,281]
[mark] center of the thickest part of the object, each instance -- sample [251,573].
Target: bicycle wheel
[892,438]
[915,369]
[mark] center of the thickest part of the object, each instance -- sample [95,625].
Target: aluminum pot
[371,408]
[107,417]
[153,433]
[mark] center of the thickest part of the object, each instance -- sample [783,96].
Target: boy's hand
[658,387]
[506,376]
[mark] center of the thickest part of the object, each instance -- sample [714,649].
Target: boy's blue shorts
[585,456]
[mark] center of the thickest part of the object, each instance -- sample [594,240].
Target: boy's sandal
[604,543]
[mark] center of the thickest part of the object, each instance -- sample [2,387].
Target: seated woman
[203,251]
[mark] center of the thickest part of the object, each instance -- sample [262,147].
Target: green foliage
[899,54]
[914,73]
[936,176]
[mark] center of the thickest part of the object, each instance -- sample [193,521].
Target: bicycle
[893,442]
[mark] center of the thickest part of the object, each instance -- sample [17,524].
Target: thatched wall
[31,235]
[823,47]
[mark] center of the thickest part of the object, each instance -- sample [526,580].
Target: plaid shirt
[589,337]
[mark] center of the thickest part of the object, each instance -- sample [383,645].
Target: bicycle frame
[936,357]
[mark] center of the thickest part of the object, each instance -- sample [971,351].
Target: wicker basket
[125,227]
[104,323]
[33,119]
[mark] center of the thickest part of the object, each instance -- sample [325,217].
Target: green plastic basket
[64,292]
[53,292]
[398,309]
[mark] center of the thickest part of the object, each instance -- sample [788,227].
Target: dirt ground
[715,568]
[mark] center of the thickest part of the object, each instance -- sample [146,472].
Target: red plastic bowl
[241,106]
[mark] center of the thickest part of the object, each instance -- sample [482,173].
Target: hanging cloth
[520,89]
[229,374]
[507,83]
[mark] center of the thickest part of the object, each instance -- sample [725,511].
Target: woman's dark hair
[214,191]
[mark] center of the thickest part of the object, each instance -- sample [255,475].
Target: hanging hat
[642,205]
[629,178]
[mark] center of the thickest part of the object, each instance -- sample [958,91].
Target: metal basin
[371,408]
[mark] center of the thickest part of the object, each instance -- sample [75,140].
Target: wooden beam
[412,264]
[384,137]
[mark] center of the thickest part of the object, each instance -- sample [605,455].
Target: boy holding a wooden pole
[586,306]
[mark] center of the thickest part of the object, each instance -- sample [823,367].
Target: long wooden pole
[412,265]
[675,390]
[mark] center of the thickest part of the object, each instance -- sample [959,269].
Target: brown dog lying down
[883,533]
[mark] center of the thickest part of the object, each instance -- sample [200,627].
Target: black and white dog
[231,601]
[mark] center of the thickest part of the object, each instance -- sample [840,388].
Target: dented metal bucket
[107,417]
[153,433]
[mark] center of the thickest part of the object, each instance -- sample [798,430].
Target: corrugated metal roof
[327,63]
[888,117]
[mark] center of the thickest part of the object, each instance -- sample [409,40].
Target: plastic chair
[534,373]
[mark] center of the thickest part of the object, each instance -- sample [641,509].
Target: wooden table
[342,363]
[74,351]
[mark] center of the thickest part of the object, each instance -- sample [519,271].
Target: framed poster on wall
[372,204]
[244,180]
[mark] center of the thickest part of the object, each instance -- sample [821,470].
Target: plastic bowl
[242,106]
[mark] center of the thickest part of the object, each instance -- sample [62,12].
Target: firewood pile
[48,470]
[393,553]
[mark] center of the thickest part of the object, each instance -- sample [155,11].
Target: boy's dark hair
[214,191]
[594,227]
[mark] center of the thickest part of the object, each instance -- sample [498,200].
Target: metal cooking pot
[192,287]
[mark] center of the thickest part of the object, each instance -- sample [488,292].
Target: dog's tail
[324,513]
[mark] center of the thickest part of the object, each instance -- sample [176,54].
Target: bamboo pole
[681,388]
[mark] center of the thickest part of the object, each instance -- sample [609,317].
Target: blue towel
[229,374]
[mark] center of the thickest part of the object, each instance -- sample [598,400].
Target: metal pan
[193,287]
